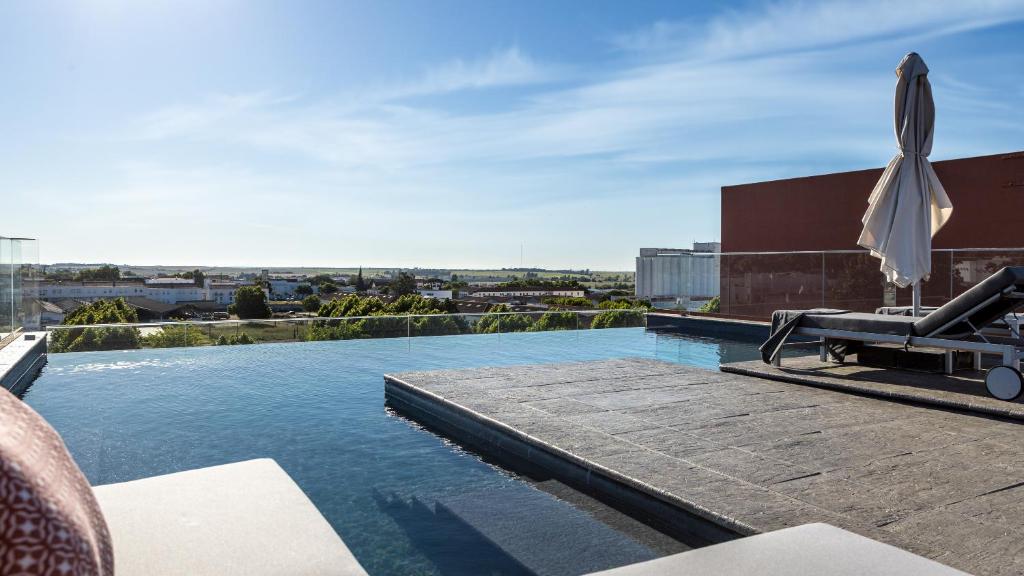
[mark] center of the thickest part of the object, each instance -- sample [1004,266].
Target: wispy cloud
[801,25]
[739,97]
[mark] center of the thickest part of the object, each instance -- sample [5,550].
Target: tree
[404,284]
[176,335]
[105,273]
[311,303]
[251,302]
[494,321]
[360,283]
[303,290]
[199,277]
[100,312]
[555,321]
[618,319]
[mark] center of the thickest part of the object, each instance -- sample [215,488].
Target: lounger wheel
[1004,382]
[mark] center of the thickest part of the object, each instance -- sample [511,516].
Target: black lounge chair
[958,325]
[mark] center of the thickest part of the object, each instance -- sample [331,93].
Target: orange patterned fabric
[50,523]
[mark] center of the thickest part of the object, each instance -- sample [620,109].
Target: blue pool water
[403,499]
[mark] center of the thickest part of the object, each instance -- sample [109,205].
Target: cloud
[779,27]
[772,92]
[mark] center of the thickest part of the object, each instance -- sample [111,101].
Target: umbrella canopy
[908,205]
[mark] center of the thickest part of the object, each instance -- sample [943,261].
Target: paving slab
[752,455]
[962,390]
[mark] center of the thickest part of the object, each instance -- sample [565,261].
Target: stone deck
[962,390]
[750,455]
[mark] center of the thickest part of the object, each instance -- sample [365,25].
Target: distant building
[681,276]
[439,294]
[50,314]
[527,293]
[166,290]
[285,288]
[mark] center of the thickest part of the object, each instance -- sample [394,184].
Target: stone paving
[758,455]
[963,390]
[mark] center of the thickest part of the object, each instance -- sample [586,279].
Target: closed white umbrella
[908,205]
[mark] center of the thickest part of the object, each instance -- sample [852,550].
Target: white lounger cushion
[808,550]
[243,518]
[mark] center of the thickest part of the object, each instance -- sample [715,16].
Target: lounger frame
[1010,353]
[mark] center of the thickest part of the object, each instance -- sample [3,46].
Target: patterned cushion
[50,522]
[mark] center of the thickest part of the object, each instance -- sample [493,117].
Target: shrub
[618,319]
[311,303]
[555,321]
[176,335]
[242,338]
[100,312]
[712,305]
[493,323]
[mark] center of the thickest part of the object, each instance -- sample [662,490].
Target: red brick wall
[824,212]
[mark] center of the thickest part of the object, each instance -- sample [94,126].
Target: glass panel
[6,287]
[972,266]
[853,282]
[755,285]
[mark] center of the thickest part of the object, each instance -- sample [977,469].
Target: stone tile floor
[760,455]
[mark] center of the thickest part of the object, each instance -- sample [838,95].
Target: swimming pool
[405,500]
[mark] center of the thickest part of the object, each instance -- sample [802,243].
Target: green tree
[555,321]
[311,303]
[251,302]
[618,319]
[360,283]
[494,322]
[624,304]
[404,284]
[105,273]
[108,338]
[371,317]
[304,290]
[176,335]
[566,302]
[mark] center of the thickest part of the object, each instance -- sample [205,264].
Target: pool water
[404,500]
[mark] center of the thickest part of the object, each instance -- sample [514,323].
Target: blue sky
[449,133]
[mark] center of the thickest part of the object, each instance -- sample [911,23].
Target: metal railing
[91,337]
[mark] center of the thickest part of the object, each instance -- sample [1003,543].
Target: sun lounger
[958,325]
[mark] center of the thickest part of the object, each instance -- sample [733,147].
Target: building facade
[792,244]
[678,276]
[158,289]
[526,293]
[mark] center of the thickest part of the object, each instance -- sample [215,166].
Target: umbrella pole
[917,299]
